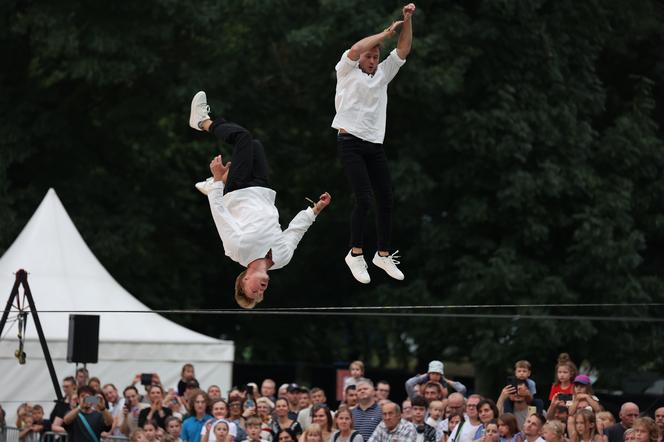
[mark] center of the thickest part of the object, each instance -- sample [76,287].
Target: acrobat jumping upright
[243,207]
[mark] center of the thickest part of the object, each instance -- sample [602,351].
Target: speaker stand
[22,280]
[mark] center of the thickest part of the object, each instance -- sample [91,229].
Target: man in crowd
[293,396]
[425,432]
[367,414]
[472,422]
[435,373]
[393,428]
[62,408]
[269,389]
[532,428]
[214,392]
[87,421]
[115,406]
[629,411]
[304,415]
[659,421]
[350,396]
[382,391]
[455,403]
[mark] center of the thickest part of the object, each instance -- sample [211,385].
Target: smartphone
[565,397]
[146,379]
[249,403]
[92,400]
[511,380]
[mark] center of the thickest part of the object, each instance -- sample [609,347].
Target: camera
[92,400]
[146,379]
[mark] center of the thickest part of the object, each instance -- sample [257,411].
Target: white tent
[63,274]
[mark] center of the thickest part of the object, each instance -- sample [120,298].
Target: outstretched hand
[219,169]
[323,201]
[392,29]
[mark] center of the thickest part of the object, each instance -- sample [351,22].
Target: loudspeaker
[83,343]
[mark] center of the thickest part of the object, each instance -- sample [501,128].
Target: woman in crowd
[264,408]
[219,411]
[581,427]
[281,421]
[487,412]
[321,415]
[343,421]
[645,430]
[604,420]
[553,431]
[286,435]
[454,418]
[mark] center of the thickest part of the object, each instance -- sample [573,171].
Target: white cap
[436,367]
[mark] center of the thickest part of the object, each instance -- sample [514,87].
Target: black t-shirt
[60,409]
[79,432]
[615,432]
[143,416]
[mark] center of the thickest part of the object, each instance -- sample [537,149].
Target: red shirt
[556,388]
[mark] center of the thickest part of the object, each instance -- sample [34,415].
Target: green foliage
[523,138]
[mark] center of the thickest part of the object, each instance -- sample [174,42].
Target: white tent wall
[65,276]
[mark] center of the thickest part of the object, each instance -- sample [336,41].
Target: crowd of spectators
[437,409]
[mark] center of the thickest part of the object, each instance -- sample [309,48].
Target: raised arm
[406,35]
[372,41]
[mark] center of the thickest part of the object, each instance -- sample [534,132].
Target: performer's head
[369,60]
[250,286]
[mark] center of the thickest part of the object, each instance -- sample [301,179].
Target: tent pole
[8,307]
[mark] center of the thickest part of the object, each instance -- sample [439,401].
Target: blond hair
[243,300]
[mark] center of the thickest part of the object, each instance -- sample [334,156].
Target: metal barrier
[9,434]
[52,436]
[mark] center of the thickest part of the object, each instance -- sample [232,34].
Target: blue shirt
[366,421]
[191,428]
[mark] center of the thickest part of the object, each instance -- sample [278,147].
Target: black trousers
[365,165]
[248,164]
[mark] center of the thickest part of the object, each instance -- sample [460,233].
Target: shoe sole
[192,122]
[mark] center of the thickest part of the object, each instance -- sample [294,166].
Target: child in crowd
[313,433]
[523,371]
[565,374]
[454,419]
[138,435]
[253,429]
[508,429]
[436,413]
[356,369]
[553,431]
[491,432]
[187,374]
[173,427]
[604,420]
[150,431]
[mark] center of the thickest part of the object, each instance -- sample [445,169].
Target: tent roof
[63,274]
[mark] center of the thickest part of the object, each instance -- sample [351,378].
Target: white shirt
[248,224]
[361,99]
[467,432]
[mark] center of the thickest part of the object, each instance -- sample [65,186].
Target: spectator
[174,427]
[95,384]
[583,396]
[322,416]
[487,412]
[219,430]
[356,369]
[645,430]
[219,409]
[63,407]
[604,420]
[82,377]
[532,429]
[156,411]
[522,372]
[435,373]
[115,404]
[466,430]
[553,431]
[565,373]
[367,414]
[343,420]
[425,432]
[456,403]
[254,429]
[292,394]
[436,413]
[434,391]
[138,435]
[382,391]
[282,419]
[236,416]
[454,420]
[350,396]
[131,410]
[491,432]
[87,421]
[407,410]
[560,413]
[659,421]
[313,434]
[191,427]
[286,435]
[214,392]
[393,428]
[264,408]
[30,429]
[282,392]
[581,427]
[508,429]
[304,415]
[303,399]
[268,389]
[629,411]
[629,436]
[187,374]
[513,400]
[150,429]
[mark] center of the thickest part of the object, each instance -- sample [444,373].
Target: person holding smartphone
[515,399]
[87,421]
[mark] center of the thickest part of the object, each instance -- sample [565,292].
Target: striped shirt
[366,421]
[404,432]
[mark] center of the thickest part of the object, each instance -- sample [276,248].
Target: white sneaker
[199,110]
[389,264]
[358,267]
[205,186]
